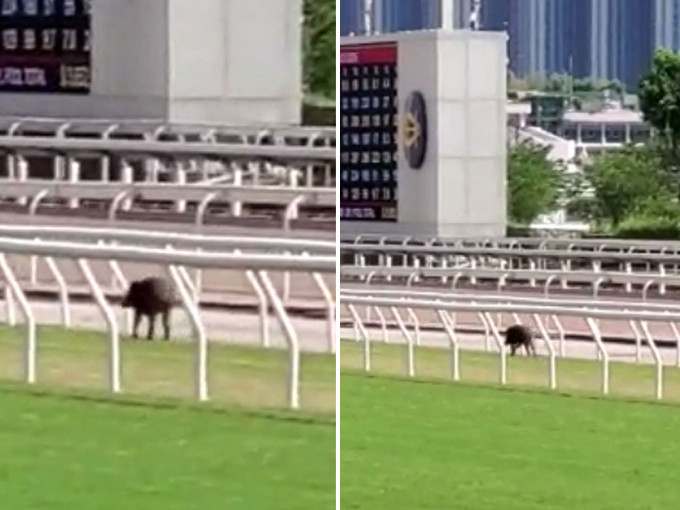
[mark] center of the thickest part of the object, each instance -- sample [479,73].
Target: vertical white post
[11,310]
[63,292]
[359,326]
[21,175]
[58,165]
[294,182]
[126,177]
[33,268]
[410,357]
[73,178]
[180,178]
[236,204]
[291,338]
[105,167]
[114,339]
[192,310]
[453,341]
[602,350]
[330,310]
[264,308]
[29,347]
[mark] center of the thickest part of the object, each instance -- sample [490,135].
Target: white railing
[510,253]
[623,245]
[120,195]
[175,239]
[147,191]
[584,303]
[132,149]
[153,129]
[445,309]
[512,258]
[181,240]
[533,277]
[174,260]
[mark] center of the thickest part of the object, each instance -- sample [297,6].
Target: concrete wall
[234,62]
[461,188]
[472,134]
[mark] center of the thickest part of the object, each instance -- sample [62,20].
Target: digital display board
[45,46]
[368,131]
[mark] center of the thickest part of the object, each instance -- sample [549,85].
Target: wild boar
[517,336]
[150,297]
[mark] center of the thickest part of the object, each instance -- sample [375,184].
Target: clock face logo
[414,130]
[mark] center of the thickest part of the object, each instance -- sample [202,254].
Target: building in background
[351,17]
[600,39]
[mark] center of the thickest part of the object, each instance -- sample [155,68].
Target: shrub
[645,227]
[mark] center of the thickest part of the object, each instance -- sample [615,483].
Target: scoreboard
[368,127]
[45,46]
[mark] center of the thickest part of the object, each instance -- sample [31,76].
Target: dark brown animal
[517,336]
[150,297]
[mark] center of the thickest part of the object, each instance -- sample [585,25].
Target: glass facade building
[602,39]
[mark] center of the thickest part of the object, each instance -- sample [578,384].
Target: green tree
[623,182]
[659,94]
[319,47]
[534,183]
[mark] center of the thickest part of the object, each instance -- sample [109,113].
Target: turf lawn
[440,445]
[429,443]
[244,376]
[67,443]
[573,375]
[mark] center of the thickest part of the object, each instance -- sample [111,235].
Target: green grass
[439,445]
[67,443]
[59,452]
[243,376]
[573,375]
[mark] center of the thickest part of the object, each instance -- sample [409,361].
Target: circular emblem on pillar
[414,130]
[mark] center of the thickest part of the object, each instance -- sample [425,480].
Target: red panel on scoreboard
[369,54]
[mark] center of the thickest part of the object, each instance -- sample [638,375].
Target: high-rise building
[601,39]
[666,15]
[638,41]
[351,17]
